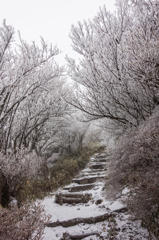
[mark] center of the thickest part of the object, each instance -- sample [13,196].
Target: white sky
[50,19]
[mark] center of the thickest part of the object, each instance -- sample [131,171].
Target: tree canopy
[119,62]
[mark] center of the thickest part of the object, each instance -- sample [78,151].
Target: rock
[99,201]
[87,205]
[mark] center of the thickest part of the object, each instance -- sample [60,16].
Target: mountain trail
[81,211]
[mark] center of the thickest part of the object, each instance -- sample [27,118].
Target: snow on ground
[67,211]
[125,228]
[115,205]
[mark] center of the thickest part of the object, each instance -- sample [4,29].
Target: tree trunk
[0,185]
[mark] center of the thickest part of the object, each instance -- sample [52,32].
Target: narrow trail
[81,211]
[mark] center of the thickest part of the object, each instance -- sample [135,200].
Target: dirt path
[80,210]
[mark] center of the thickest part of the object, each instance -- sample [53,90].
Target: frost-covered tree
[72,135]
[117,75]
[29,91]
[31,107]
[40,118]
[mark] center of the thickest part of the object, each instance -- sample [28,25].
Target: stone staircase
[84,181]
[84,195]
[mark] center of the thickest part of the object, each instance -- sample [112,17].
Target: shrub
[30,188]
[33,189]
[25,223]
[16,170]
[136,165]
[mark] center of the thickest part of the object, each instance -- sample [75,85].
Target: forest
[50,126]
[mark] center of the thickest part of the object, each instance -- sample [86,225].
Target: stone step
[89,170]
[71,198]
[102,155]
[76,188]
[89,220]
[83,235]
[97,166]
[84,180]
[76,221]
[100,160]
[97,175]
[73,195]
[93,172]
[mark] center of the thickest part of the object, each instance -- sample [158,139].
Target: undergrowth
[26,222]
[61,174]
[68,167]
[135,165]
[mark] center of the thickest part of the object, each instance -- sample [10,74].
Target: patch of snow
[125,191]
[115,206]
